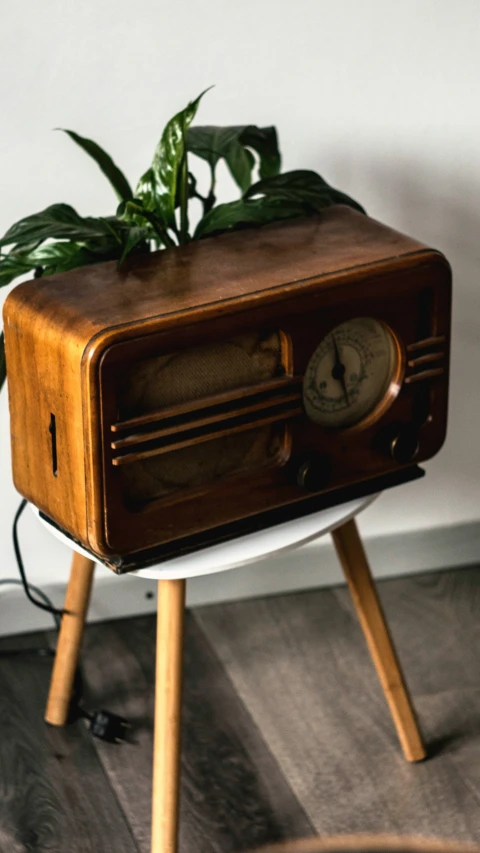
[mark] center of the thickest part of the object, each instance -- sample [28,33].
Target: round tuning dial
[353,375]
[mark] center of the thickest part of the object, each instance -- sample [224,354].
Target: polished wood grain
[351,554]
[220,270]
[42,352]
[70,338]
[69,640]
[168,708]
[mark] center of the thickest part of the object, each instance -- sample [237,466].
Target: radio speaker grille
[149,479]
[151,389]
[202,371]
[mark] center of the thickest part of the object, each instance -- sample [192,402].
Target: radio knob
[404,446]
[313,473]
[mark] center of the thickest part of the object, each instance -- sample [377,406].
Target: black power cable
[33,588]
[102,724]
[21,568]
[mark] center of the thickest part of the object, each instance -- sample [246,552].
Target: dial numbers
[350,373]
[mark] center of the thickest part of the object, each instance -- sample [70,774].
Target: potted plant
[156,215]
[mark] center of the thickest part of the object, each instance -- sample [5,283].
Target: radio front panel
[215,418]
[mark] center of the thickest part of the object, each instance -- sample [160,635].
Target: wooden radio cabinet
[156,405]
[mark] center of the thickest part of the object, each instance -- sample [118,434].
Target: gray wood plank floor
[54,794]
[285,730]
[301,667]
[233,795]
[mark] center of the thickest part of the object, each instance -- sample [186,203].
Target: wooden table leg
[365,598]
[69,640]
[168,701]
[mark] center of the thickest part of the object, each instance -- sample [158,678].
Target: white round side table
[172,575]
[242,550]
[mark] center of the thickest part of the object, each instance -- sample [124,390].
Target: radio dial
[352,374]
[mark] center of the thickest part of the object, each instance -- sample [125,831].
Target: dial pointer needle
[338,371]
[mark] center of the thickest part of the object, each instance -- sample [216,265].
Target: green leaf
[232,143]
[167,164]
[59,221]
[12,266]
[211,143]
[146,191]
[292,194]
[192,189]
[302,186]
[111,171]
[240,162]
[264,141]
[136,237]
[244,213]
[134,211]
[65,256]
[3,363]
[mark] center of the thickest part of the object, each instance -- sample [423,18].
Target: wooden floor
[286,732]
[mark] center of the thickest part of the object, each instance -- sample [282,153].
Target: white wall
[379,96]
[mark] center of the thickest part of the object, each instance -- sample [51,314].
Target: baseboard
[313,565]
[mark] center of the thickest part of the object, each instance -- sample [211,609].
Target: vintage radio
[202,391]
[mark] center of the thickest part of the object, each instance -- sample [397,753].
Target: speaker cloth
[154,384]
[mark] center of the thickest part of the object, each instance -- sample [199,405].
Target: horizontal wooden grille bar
[425,374]
[195,409]
[426,343]
[237,424]
[425,359]
[174,429]
[421,355]
[202,420]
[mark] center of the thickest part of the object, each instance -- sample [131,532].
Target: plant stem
[166,239]
[210,200]
[112,230]
[184,194]
[212,183]
[162,232]
[158,225]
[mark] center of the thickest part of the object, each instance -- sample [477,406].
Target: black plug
[108,726]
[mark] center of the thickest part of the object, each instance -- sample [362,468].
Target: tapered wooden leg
[168,701]
[365,598]
[69,640]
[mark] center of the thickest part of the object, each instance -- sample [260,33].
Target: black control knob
[404,446]
[313,473]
